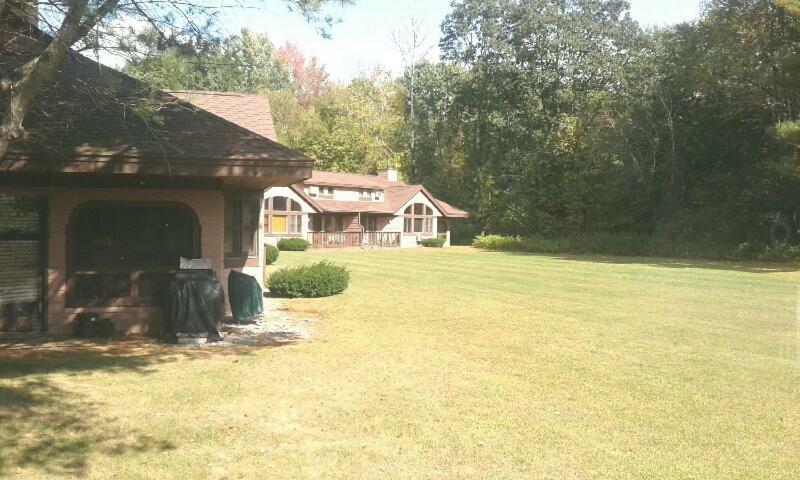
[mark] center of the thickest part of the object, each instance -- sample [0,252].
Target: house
[335,209]
[113,183]
[346,210]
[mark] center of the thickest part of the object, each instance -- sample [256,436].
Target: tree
[311,77]
[77,24]
[245,63]
[412,43]
[353,128]
[544,77]
[432,116]
[791,6]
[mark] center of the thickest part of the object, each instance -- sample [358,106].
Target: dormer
[317,191]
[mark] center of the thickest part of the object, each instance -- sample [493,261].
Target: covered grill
[197,305]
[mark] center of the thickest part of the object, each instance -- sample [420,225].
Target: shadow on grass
[44,427]
[53,430]
[748,267]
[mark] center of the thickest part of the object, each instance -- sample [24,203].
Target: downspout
[361,227]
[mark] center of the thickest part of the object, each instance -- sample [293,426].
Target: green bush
[780,253]
[602,244]
[433,242]
[749,251]
[272,253]
[293,244]
[318,280]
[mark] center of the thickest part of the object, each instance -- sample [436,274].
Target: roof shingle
[90,118]
[249,111]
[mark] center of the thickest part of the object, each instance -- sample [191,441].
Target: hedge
[318,280]
[603,244]
[272,254]
[293,244]
[433,242]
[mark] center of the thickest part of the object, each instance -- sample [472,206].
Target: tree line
[554,117]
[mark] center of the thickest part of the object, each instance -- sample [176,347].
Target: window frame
[411,218]
[237,224]
[294,217]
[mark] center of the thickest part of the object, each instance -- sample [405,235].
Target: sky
[362,40]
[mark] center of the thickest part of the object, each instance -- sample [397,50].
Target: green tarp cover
[246,297]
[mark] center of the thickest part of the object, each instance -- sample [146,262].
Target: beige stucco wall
[207,205]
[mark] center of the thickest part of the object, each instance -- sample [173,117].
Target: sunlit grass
[449,364]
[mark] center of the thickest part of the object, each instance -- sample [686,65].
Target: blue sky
[363,39]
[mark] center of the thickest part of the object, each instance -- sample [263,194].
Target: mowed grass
[446,363]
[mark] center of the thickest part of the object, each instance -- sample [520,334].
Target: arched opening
[282,216]
[125,253]
[418,218]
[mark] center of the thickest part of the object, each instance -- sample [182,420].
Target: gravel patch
[275,327]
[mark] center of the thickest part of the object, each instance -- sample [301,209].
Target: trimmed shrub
[293,244]
[433,242]
[272,253]
[318,280]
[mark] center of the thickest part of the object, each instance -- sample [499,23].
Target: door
[21,263]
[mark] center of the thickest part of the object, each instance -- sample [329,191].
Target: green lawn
[445,363]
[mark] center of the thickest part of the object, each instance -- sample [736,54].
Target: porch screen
[124,253]
[21,262]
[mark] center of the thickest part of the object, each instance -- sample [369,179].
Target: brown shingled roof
[451,211]
[93,119]
[348,180]
[249,111]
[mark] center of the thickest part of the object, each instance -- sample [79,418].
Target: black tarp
[197,304]
[246,297]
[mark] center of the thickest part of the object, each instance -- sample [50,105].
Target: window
[418,218]
[282,215]
[365,195]
[241,227]
[334,224]
[377,195]
[315,223]
[124,253]
[326,192]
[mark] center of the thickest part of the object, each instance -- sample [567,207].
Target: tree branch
[34,74]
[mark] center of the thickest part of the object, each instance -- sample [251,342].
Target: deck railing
[382,239]
[353,239]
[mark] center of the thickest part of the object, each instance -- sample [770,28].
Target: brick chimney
[390,174]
